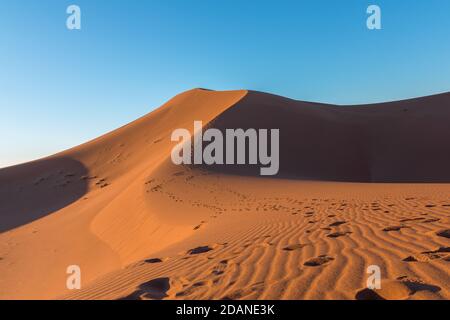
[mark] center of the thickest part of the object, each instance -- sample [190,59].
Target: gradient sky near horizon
[60,88]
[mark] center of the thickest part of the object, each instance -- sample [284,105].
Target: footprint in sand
[153,260]
[338,234]
[155,289]
[337,223]
[394,228]
[194,288]
[293,247]
[199,250]
[444,233]
[320,260]
[426,256]
[401,289]
[220,268]
[200,225]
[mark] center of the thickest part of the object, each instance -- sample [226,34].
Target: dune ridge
[143,228]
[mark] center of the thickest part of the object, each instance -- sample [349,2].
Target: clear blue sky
[60,88]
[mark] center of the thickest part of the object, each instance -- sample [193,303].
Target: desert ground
[358,186]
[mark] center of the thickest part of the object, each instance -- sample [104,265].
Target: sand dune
[391,142]
[142,228]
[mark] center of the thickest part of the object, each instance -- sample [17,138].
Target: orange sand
[142,228]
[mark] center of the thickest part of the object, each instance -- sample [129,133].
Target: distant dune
[358,186]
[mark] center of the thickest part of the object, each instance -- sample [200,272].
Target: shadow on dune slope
[33,190]
[404,141]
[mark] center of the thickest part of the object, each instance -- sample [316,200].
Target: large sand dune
[358,186]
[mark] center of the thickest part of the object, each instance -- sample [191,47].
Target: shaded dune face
[391,142]
[33,190]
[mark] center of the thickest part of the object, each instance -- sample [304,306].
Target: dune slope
[142,228]
[390,142]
